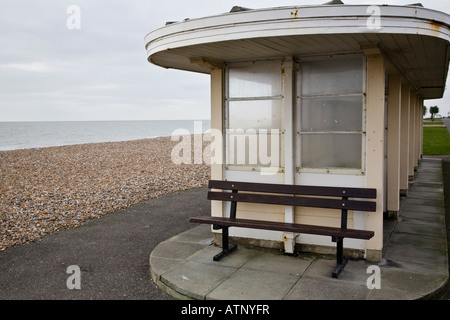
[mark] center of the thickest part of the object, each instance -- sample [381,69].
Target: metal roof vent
[239,9]
[334,2]
[415,5]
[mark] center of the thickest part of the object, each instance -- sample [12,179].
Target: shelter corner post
[375,135]
[217,127]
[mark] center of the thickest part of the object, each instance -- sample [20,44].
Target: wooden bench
[290,195]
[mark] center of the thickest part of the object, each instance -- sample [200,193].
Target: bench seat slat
[293,201]
[368,193]
[286,227]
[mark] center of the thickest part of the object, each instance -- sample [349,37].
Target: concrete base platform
[414,264]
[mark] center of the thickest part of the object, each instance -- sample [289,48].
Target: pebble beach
[45,190]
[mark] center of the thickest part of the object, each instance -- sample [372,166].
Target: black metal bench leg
[340,260]
[226,247]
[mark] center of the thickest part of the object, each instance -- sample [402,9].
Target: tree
[424,110]
[433,111]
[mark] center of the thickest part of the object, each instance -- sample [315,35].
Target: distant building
[340,87]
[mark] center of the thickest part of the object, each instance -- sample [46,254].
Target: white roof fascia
[285,21]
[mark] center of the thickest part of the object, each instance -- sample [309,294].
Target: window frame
[226,119]
[298,125]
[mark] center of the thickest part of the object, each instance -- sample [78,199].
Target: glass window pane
[332,114]
[331,150]
[254,79]
[253,148]
[337,75]
[254,114]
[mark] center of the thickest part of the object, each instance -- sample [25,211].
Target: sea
[26,135]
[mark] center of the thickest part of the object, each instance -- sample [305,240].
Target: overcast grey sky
[99,72]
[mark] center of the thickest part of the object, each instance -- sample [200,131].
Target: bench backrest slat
[294,189]
[293,201]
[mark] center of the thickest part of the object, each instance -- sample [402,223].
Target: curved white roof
[415,40]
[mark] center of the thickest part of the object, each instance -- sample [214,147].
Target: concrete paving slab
[426,188]
[355,272]
[419,216]
[278,263]
[180,250]
[196,280]
[239,257]
[247,284]
[160,266]
[420,241]
[406,285]
[425,258]
[317,284]
[427,194]
[313,289]
[425,228]
[199,235]
[426,202]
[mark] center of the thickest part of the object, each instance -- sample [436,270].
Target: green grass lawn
[436,141]
[435,122]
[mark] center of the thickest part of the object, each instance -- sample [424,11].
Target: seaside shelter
[326,95]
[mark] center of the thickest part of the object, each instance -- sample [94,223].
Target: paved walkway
[414,266]
[447,123]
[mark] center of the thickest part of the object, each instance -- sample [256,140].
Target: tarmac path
[112,253]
